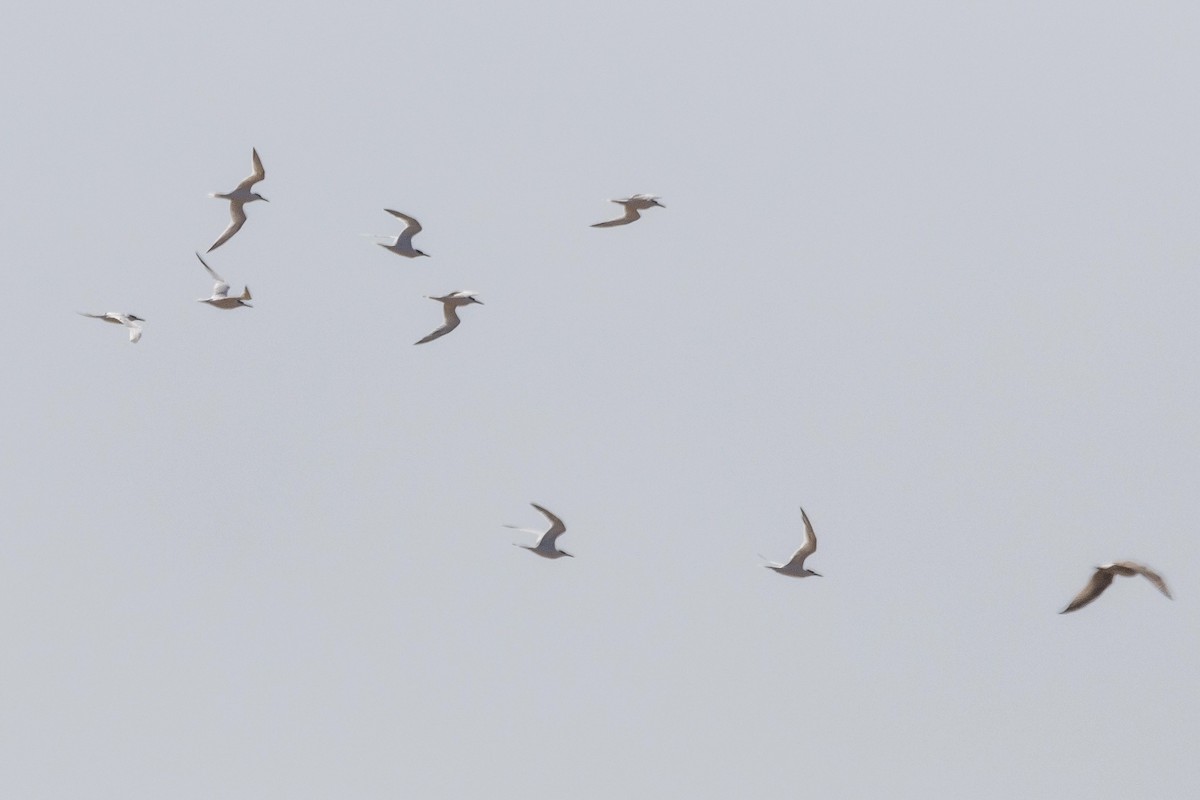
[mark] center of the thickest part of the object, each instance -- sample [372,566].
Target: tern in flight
[220,296]
[795,567]
[134,323]
[449,303]
[238,198]
[403,244]
[545,546]
[1104,575]
[639,202]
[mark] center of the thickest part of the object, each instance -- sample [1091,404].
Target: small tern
[1104,575]
[220,296]
[403,244]
[238,198]
[449,303]
[545,546]
[639,202]
[134,323]
[795,566]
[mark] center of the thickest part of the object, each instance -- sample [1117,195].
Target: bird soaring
[449,305]
[639,202]
[795,566]
[238,198]
[220,296]
[1104,575]
[545,546]
[128,320]
[403,244]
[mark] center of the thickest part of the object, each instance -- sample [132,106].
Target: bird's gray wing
[237,218]
[1149,575]
[135,332]
[1101,578]
[413,228]
[220,287]
[557,528]
[631,214]
[450,324]
[256,176]
[810,537]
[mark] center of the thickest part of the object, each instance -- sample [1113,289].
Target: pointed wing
[631,214]
[135,332]
[237,217]
[413,228]
[557,528]
[220,287]
[1149,575]
[1101,578]
[256,176]
[808,548]
[451,323]
[810,536]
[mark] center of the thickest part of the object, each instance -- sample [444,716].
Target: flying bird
[220,296]
[1104,575]
[639,202]
[128,320]
[795,567]
[449,303]
[237,199]
[403,244]
[545,546]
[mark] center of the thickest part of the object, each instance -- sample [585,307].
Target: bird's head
[654,202]
[136,318]
[472,299]
[258,196]
[565,553]
[817,574]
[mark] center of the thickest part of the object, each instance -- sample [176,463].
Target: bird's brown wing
[1100,580]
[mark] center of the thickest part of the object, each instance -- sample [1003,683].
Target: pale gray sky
[929,269]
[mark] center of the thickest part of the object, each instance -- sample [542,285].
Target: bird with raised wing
[131,321]
[633,205]
[795,566]
[545,546]
[237,199]
[1104,575]
[450,304]
[220,296]
[402,246]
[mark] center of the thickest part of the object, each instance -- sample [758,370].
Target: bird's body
[546,542]
[237,199]
[633,206]
[403,244]
[450,304]
[220,296]
[131,321]
[1103,576]
[795,566]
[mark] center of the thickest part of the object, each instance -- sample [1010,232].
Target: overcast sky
[928,269]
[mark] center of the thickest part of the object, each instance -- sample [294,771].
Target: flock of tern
[546,546]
